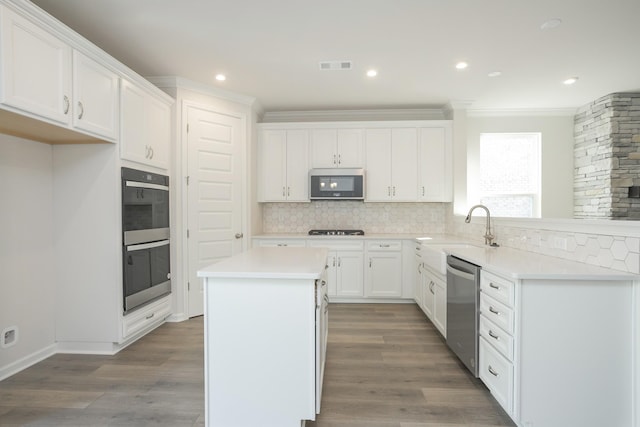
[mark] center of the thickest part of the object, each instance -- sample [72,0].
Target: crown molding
[354,115]
[184,83]
[522,112]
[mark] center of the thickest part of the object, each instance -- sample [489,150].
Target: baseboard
[348,300]
[179,317]
[25,362]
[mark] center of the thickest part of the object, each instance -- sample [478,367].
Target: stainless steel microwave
[331,184]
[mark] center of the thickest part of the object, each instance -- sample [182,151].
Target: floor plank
[387,366]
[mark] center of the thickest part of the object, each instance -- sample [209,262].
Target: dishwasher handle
[459,273]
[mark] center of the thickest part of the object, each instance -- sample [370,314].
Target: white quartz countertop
[528,265]
[373,236]
[271,263]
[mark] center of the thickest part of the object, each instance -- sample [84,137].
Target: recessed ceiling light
[495,74]
[550,24]
[570,81]
[372,73]
[221,77]
[461,65]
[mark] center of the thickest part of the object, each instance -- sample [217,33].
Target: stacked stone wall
[607,157]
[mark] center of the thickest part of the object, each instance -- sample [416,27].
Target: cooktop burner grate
[336,232]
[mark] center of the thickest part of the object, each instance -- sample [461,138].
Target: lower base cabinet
[383,269]
[434,299]
[558,353]
[145,317]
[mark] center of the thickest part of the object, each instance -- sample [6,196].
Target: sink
[435,256]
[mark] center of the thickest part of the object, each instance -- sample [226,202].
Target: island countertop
[271,263]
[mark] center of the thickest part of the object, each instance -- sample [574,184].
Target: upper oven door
[145,207]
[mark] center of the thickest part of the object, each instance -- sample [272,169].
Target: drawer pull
[282,244]
[150,316]
[494,311]
[385,245]
[492,372]
[494,286]
[494,336]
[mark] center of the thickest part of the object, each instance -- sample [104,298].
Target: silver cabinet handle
[150,316]
[384,246]
[81,108]
[323,283]
[239,235]
[150,152]
[369,262]
[431,285]
[394,190]
[389,191]
[491,285]
[282,244]
[492,372]
[334,160]
[339,159]
[494,336]
[494,311]
[288,191]
[66,104]
[334,261]
[418,248]
[423,190]
[339,262]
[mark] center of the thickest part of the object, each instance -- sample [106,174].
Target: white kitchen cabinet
[337,148]
[44,78]
[546,346]
[95,94]
[283,165]
[417,282]
[434,304]
[345,274]
[383,271]
[392,164]
[435,165]
[146,127]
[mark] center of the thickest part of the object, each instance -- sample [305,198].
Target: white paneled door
[214,217]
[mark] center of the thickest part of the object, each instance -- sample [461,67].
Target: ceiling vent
[336,65]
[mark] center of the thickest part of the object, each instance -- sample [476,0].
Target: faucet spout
[488,236]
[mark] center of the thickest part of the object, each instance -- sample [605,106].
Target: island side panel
[576,353]
[259,352]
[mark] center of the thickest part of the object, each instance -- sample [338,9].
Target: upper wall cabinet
[337,148]
[392,165]
[435,183]
[44,78]
[283,165]
[146,127]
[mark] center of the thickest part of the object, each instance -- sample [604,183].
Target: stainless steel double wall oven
[145,237]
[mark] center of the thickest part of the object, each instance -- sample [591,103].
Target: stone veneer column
[607,157]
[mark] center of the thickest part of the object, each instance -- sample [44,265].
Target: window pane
[509,163]
[509,206]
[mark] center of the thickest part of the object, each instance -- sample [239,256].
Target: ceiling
[271,49]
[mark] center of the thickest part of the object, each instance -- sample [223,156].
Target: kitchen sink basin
[435,256]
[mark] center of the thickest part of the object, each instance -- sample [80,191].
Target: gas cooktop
[336,232]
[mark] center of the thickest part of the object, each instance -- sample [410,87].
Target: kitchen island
[265,337]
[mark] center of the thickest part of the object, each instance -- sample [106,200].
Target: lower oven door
[147,273]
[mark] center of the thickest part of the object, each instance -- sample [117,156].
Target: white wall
[557,155]
[27,288]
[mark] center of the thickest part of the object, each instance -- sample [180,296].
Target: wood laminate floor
[386,367]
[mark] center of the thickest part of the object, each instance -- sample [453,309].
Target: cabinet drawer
[146,316]
[497,374]
[337,245]
[390,245]
[296,243]
[497,337]
[496,312]
[498,287]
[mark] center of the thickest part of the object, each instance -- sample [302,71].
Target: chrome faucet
[488,237]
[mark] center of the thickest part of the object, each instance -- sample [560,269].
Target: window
[510,174]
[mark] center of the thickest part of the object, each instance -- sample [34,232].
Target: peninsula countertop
[271,263]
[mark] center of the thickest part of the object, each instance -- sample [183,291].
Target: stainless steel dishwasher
[463,284]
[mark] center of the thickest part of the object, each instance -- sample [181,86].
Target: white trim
[358,124]
[27,361]
[533,112]
[183,83]
[353,115]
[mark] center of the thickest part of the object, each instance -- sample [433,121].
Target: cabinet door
[95,97]
[297,164]
[384,275]
[428,294]
[440,307]
[158,124]
[435,178]
[36,69]
[377,156]
[133,140]
[323,148]
[350,148]
[350,274]
[332,285]
[404,165]
[273,156]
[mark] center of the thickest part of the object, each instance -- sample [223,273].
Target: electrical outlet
[9,336]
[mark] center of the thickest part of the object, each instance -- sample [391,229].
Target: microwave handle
[137,184]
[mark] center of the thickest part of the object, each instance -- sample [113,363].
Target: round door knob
[239,235]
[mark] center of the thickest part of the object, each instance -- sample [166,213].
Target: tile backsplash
[371,217]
